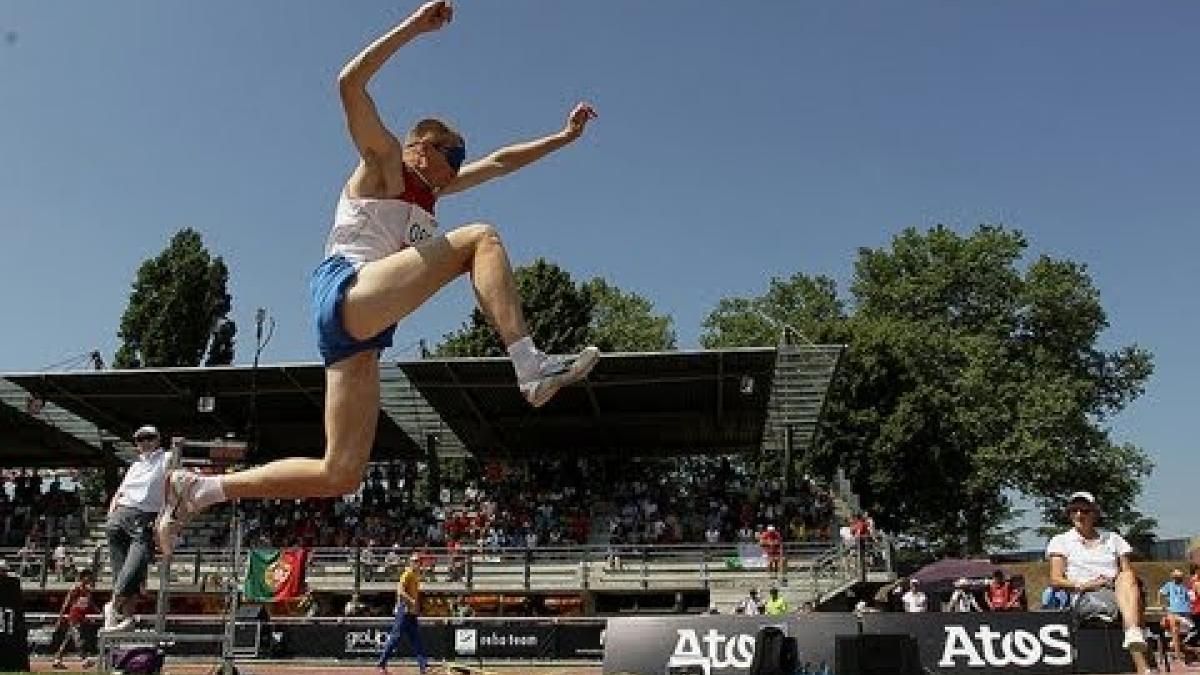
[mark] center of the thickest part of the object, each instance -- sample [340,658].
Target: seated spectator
[1000,594]
[1094,566]
[962,599]
[914,598]
[776,605]
[750,604]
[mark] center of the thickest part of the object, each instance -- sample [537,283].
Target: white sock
[526,357]
[209,491]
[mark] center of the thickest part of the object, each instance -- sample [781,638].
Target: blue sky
[736,141]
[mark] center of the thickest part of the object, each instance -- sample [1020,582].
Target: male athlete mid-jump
[384,259]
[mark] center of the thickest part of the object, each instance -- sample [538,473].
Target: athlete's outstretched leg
[351,413]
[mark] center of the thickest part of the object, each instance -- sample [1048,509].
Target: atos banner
[715,645]
[979,644]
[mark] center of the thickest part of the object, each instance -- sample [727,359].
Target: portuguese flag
[275,575]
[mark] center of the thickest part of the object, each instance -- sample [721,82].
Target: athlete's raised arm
[512,157]
[370,136]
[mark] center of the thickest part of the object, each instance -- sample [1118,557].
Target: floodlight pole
[789,432]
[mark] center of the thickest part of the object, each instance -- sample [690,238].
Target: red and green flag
[275,574]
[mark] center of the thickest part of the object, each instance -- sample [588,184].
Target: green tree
[558,311]
[802,303]
[967,381]
[625,321]
[178,310]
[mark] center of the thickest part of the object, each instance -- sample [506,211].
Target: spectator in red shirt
[1000,594]
[772,544]
[74,611]
[860,527]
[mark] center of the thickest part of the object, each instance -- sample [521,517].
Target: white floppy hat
[146,430]
[1083,496]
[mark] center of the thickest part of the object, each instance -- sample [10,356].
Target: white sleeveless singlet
[366,229]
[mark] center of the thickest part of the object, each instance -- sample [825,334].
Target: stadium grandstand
[620,496]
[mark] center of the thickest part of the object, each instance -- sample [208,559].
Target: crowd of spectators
[39,514]
[542,504]
[704,500]
[31,503]
[487,507]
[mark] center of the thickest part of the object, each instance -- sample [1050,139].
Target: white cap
[1082,496]
[147,430]
[770,528]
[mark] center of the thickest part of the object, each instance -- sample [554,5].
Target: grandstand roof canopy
[698,402]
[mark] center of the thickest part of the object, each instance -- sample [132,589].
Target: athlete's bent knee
[485,234]
[342,477]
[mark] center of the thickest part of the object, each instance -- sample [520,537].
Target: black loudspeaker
[14,637]
[775,653]
[253,613]
[884,654]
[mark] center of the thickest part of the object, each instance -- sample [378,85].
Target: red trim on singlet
[416,191]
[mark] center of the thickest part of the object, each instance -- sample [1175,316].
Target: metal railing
[822,566]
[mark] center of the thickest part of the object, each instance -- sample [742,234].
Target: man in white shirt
[914,598]
[130,527]
[751,605]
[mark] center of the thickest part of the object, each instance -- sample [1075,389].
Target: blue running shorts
[328,289]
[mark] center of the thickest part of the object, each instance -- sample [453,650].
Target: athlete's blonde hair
[435,126]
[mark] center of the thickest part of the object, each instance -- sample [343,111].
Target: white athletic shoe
[1135,640]
[557,372]
[178,507]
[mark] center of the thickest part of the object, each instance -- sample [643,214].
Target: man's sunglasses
[139,439]
[454,155]
[1080,509]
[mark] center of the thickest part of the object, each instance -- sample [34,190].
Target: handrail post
[357,567]
[585,568]
[645,567]
[860,546]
